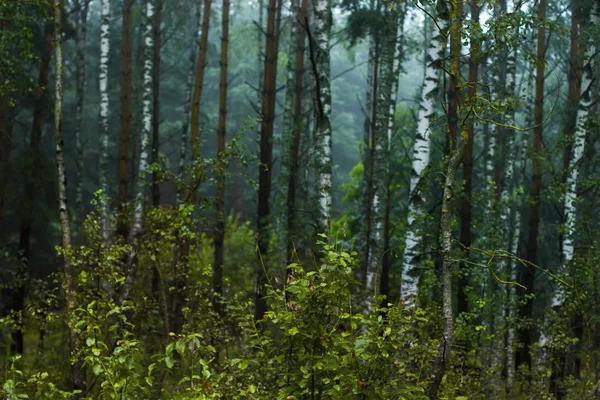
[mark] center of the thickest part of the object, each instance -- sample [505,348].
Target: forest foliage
[311,199]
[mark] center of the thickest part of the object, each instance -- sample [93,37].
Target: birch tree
[103,82]
[63,211]
[323,145]
[420,160]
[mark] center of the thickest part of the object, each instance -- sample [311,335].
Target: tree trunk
[296,133]
[104,107]
[140,192]
[384,285]
[443,356]
[367,176]
[511,336]
[198,85]
[188,97]
[381,154]
[453,105]
[527,274]
[79,101]
[266,158]
[63,211]
[156,104]
[420,161]
[222,132]
[320,37]
[39,109]
[125,117]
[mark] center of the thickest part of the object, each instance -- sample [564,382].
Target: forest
[299,199]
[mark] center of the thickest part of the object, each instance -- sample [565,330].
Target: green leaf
[90,341]
[97,369]
[169,361]
[293,331]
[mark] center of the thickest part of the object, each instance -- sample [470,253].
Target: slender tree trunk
[384,285]
[443,356]
[465,207]
[583,106]
[260,59]
[453,105]
[140,192]
[125,117]
[505,221]
[527,274]
[198,85]
[511,336]
[80,97]
[156,104]
[39,109]
[63,211]
[420,161]
[381,154]
[367,176]
[188,96]
[296,132]
[320,28]
[222,132]
[266,158]
[104,108]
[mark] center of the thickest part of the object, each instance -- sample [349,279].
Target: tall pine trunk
[104,108]
[420,160]
[188,96]
[381,155]
[197,95]
[221,137]
[266,158]
[63,211]
[296,131]
[527,278]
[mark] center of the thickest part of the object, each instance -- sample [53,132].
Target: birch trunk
[103,81]
[188,97]
[514,245]
[140,190]
[420,161]
[156,104]
[323,146]
[63,211]
[79,101]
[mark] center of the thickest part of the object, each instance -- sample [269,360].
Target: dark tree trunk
[123,166]
[296,130]
[221,137]
[266,157]
[156,104]
[198,85]
[527,277]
